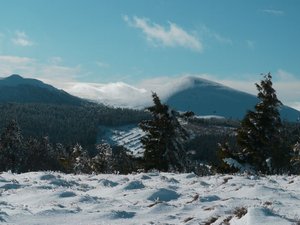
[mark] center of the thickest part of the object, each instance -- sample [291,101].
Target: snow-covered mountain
[205,97]
[46,198]
[187,93]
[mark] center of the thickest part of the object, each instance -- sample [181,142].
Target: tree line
[19,154]
[66,124]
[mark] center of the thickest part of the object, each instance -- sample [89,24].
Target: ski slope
[40,198]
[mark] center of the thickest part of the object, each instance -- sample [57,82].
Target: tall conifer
[259,136]
[164,139]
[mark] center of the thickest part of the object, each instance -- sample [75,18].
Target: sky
[130,43]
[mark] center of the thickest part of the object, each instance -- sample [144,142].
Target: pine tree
[259,136]
[81,162]
[295,159]
[122,161]
[102,162]
[12,154]
[164,139]
[224,153]
[39,154]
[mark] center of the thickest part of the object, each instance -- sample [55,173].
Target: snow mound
[165,195]
[148,198]
[209,198]
[108,183]
[261,216]
[134,185]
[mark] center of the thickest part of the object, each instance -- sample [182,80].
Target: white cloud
[21,39]
[287,86]
[116,94]
[14,64]
[15,59]
[59,72]
[173,36]
[30,67]
[166,86]
[283,75]
[125,95]
[214,35]
[273,12]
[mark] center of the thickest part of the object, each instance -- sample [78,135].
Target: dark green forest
[66,124]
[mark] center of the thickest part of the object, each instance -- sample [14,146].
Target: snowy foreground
[148,198]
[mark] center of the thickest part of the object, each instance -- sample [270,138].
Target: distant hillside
[23,90]
[205,97]
[42,110]
[65,123]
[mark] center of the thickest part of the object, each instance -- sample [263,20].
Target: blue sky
[95,41]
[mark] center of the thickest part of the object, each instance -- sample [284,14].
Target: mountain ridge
[17,89]
[15,80]
[187,93]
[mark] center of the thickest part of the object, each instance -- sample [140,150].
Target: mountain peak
[14,77]
[16,80]
[15,88]
[205,97]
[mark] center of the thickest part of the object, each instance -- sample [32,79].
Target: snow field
[148,198]
[128,136]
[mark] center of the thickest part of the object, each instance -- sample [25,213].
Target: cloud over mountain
[184,93]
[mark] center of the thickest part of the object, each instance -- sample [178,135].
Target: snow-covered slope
[148,198]
[128,136]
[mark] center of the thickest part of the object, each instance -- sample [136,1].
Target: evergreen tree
[40,155]
[259,136]
[122,161]
[12,154]
[81,160]
[224,153]
[102,162]
[295,159]
[164,139]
